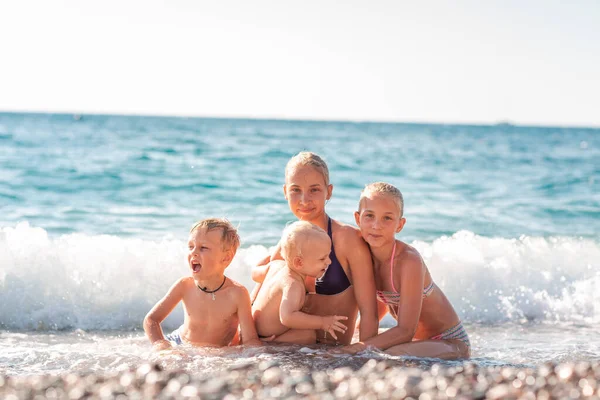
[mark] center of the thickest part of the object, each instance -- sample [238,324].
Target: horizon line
[502,122]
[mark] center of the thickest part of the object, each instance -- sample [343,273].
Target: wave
[79,281]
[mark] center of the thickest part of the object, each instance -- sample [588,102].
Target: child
[305,248]
[427,325]
[348,286]
[214,305]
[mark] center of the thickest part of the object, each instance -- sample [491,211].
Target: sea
[95,212]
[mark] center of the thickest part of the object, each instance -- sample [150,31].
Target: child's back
[265,309]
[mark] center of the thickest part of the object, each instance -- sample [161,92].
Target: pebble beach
[266,380]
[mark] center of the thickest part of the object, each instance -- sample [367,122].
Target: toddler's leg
[297,336]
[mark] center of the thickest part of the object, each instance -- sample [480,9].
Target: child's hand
[331,323]
[353,348]
[160,345]
[268,339]
[255,342]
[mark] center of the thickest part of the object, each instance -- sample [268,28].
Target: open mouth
[196,267]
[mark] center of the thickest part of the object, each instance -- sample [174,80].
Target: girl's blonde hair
[229,238]
[382,188]
[307,158]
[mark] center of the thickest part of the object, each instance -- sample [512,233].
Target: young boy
[305,248]
[214,305]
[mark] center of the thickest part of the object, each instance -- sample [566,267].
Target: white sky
[530,62]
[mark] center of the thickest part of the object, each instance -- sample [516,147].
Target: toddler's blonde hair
[297,233]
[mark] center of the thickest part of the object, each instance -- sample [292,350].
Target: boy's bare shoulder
[182,286]
[185,282]
[236,288]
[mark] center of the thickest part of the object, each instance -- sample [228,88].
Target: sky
[525,62]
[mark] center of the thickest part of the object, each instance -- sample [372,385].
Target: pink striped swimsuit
[393,298]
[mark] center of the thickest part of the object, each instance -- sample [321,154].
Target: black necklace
[205,290]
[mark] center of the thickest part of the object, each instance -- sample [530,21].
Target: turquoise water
[147,177]
[94,212]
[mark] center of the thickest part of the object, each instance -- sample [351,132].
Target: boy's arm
[290,315]
[160,311]
[361,270]
[244,311]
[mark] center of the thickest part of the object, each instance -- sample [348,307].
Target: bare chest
[216,308]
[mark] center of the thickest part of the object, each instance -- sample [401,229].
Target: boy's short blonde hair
[307,158]
[382,188]
[230,238]
[297,233]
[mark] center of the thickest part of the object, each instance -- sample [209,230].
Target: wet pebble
[376,379]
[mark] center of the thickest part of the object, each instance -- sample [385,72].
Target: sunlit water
[524,345]
[94,214]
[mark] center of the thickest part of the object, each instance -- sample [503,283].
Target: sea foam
[103,282]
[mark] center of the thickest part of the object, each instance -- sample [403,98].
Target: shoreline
[374,379]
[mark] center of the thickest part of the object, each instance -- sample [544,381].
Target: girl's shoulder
[406,255]
[348,243]
[345,231]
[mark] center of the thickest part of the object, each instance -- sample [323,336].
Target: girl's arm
[361,271]
[409,275]
[259,272]
[160,311]
[382,309]
[247,327]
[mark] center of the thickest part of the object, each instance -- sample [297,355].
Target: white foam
[107,282]
[532,278]
[92,282]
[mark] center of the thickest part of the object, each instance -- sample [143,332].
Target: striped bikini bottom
[456,332]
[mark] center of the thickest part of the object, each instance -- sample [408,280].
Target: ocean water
[95,210]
